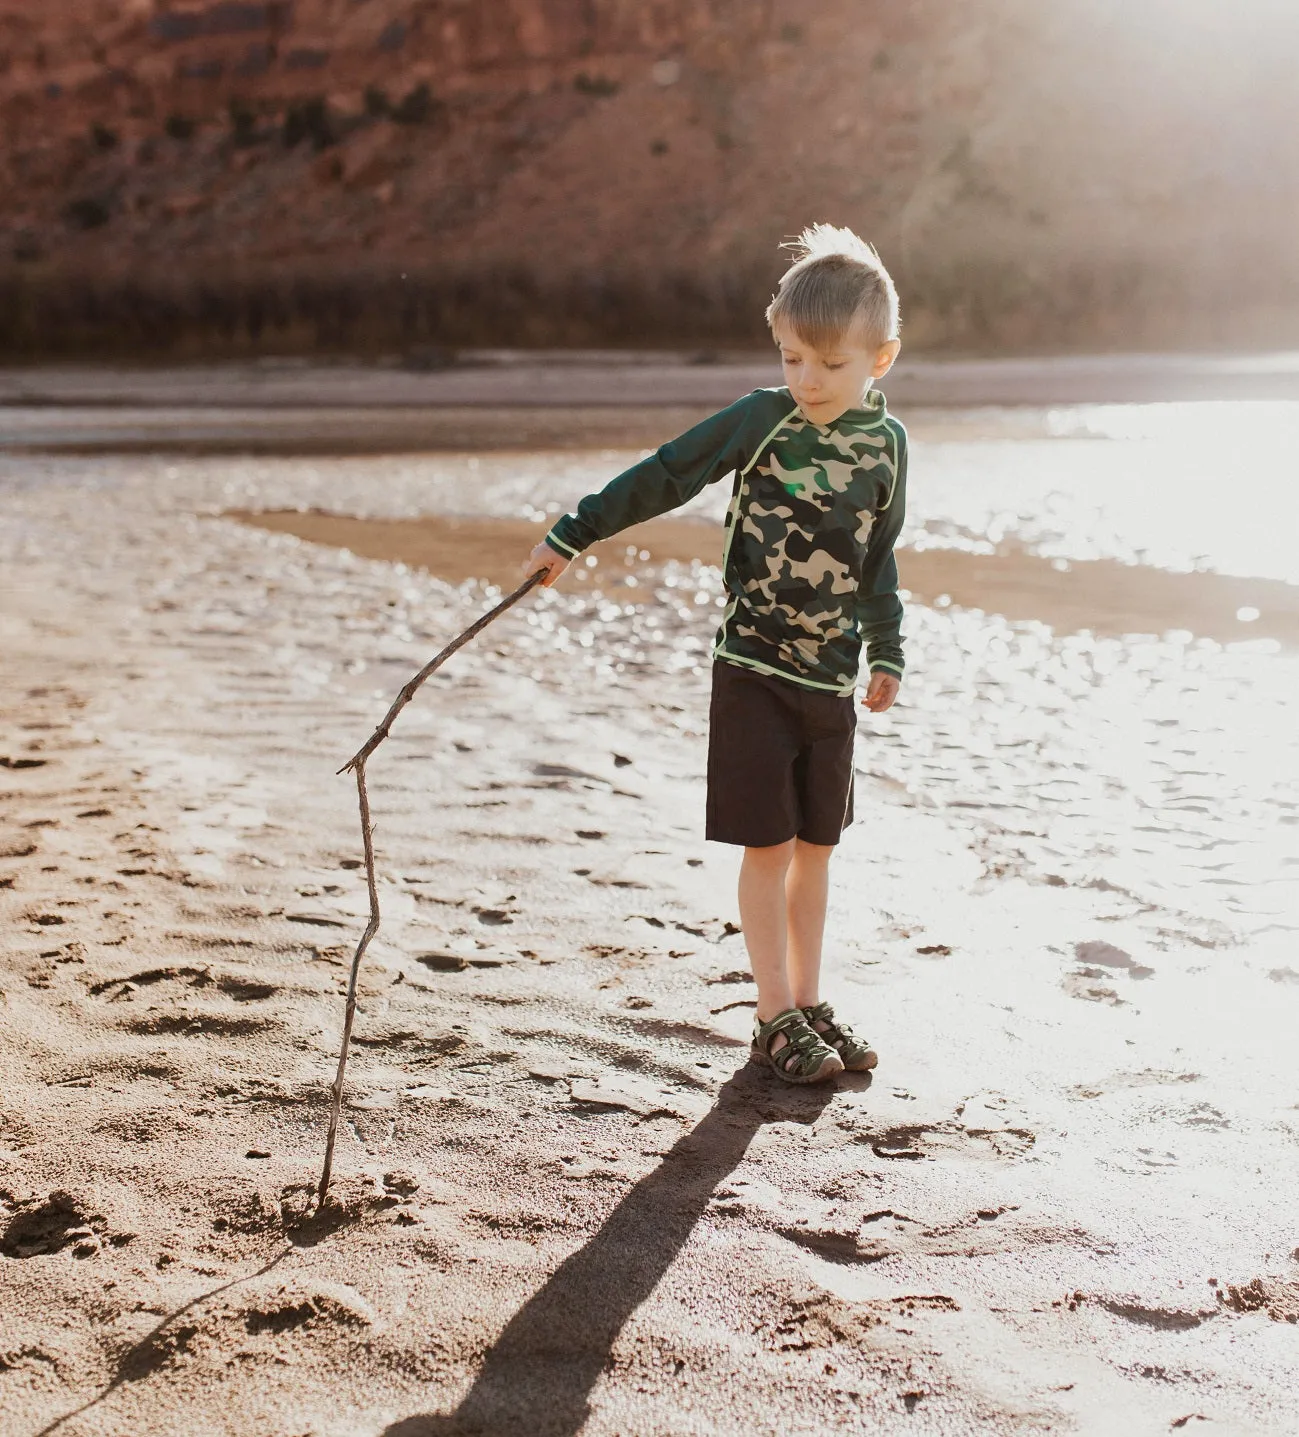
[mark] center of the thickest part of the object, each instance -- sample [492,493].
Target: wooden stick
[357,765]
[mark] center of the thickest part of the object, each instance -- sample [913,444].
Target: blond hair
[836,283]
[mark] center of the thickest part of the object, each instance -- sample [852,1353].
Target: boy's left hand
[883,689]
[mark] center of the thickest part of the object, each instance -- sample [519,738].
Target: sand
[563,1202]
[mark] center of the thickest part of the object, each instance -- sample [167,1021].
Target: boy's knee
[812,852]
[777,855]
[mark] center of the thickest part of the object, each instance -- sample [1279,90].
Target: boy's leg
[807,887]
[764,913]
[764,921]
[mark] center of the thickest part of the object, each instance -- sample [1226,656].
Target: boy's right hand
[543,557]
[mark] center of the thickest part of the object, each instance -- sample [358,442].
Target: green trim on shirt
[558,544]
[805,683]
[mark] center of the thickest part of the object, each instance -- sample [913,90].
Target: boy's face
[827,385]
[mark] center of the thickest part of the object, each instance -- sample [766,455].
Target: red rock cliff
[256,172]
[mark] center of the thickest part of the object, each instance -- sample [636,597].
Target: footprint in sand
[148,976]
[992,1118]
[245,990]
[690,1033]
[271,1313]
[839,1245]
[46,1225]
[1118,1082]
[1106,955]
[289,1312]
[627,1094]
[1278,1297]
[1168,1319]
[984,1124]
[1098,963]
[1082,984]
[192,1024]
[805,1323]
[902,1142]
[240,989]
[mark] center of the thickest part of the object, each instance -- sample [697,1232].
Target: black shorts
[779,760]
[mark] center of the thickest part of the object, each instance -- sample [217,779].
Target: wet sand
[575,379]
[565,1204]
[377,430]
[501,399]
[1098,595]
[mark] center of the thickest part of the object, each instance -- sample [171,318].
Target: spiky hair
[836,284]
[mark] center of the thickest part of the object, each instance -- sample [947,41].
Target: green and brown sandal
[858,1056]
[804,1057]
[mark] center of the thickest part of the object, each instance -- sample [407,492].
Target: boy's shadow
[538,1375]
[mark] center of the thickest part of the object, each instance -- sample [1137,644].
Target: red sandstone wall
[1034,174]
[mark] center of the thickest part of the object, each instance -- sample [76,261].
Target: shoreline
[1082,595]
[593,379]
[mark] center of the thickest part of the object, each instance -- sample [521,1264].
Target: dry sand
[564,1203]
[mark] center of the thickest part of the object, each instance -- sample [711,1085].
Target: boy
[820,474]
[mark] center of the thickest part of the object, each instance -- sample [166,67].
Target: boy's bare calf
[783,892]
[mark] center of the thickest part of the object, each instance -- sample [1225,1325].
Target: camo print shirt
[808,550]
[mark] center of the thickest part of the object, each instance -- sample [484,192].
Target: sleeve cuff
[888,668]
[560,547]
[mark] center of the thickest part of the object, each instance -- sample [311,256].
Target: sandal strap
[803,1044]
[837,1035]
[791,1018]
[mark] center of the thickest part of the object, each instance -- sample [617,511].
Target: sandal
[804,1058]
[858,1056]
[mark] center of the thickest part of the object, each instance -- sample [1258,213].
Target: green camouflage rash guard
[808,555]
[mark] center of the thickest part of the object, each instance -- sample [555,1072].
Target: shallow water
[1180,486]
[1163,767]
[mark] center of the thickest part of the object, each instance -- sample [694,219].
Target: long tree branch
[357,765]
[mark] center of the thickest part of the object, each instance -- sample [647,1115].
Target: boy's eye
[840,365]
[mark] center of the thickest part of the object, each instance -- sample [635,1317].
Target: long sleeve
[879,610]
[673,474]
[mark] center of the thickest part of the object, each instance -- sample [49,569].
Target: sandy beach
[563,1202]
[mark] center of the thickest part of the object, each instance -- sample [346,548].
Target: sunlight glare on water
[1206,485]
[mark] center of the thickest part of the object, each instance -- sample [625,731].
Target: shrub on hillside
[308,120]
[597,85]
[243,124]
[87,213]
[416,108]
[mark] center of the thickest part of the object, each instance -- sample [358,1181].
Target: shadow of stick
[538,1375]
[151,1353]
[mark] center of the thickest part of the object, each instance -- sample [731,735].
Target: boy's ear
[884,357]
